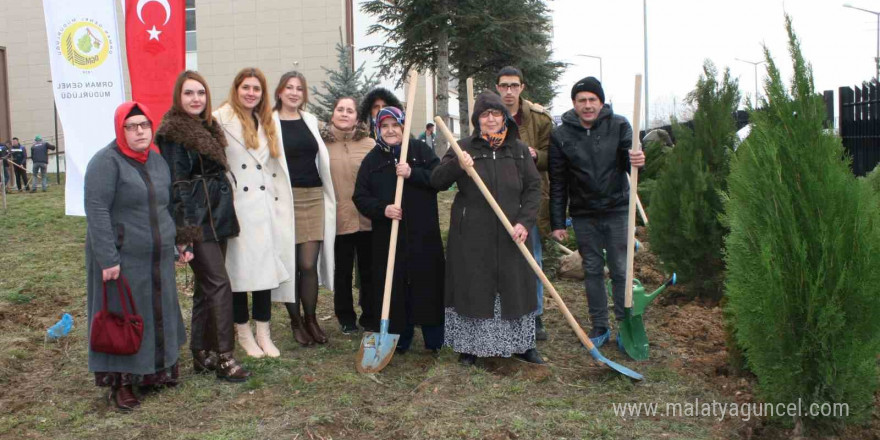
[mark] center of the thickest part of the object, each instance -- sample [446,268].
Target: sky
[839,42]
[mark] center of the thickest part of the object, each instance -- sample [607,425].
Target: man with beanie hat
[589,160]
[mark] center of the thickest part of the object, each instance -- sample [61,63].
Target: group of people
[14,155]
[259,198]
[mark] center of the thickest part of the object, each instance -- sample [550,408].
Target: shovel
[594,352]
[378,348]
[631,331]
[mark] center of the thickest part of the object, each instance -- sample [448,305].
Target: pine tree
[802,255]
[685,229]
[345,81]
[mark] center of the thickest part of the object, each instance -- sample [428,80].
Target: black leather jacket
[588,167]
[201,194]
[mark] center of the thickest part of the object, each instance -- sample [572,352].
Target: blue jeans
[41,166]
[594,234]
[538,254]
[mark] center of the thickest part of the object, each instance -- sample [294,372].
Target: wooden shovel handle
[633,195]
[398,192]
[522,247]
[470,101]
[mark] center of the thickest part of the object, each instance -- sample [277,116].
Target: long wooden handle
[470,101]
[639,204]
[398,192]
[633,195]
[522,247]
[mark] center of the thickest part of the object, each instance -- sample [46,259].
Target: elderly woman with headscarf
[130,233]
[490,288]
[417,287]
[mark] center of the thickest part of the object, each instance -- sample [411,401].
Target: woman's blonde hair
[262,111]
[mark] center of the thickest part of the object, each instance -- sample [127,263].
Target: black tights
[306,278]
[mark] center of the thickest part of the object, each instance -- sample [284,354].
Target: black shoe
[467,359]
[435,353]
[599,336]
[531,355]
[349,329]
[399,350]
[540,333]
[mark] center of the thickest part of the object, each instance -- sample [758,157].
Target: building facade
[223,36]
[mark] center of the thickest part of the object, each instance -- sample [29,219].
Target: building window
[190,25]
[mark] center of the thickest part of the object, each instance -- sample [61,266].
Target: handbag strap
[124,290]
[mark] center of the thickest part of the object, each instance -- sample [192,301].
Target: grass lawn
[46,390]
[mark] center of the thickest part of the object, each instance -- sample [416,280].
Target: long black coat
[417,290]
[482,258]
[202,203]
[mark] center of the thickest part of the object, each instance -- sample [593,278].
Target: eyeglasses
[505,86]
[491,112]
[146,125]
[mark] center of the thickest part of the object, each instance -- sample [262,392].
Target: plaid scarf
[495,139]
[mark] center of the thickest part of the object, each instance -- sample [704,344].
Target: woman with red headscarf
[130,233]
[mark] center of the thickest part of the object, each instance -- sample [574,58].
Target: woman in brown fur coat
[193,144]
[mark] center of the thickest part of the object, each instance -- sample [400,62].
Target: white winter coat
[263,256]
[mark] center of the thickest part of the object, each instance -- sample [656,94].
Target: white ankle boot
[246,340]
[265,341]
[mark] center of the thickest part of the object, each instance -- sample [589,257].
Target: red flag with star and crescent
[155,43]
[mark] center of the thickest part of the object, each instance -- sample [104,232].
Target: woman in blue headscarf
[417,289]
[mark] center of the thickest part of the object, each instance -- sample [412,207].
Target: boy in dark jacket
[589,158]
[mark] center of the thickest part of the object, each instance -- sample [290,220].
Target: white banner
[84,55]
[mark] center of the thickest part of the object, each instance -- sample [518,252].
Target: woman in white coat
[314,202]
[262,259]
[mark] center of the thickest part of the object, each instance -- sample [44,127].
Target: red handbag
[117,334]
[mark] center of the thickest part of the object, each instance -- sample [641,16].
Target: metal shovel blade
[632,332]
[594,352]
[376,350]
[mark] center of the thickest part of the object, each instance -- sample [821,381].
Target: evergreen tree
[345,81]
[479,38]
[686,232]
[802,255]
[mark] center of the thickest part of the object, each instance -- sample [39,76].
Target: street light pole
[645,18]
[756,64]
[596,57]
[877,56]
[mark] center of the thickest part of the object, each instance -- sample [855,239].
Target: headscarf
[122,113]
[385,113]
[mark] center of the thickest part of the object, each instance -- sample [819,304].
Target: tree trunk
[464,116]
[442,96]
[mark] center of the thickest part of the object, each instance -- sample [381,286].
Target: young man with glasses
[534,124]
[589,159]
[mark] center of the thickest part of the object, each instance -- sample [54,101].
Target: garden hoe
[378,348]
[594,352]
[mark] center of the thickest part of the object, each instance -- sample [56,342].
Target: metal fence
[859,124]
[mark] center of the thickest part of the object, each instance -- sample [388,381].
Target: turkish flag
[155,42]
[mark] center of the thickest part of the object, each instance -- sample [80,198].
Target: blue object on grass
[61,328]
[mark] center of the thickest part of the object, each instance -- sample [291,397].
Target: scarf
[495,139]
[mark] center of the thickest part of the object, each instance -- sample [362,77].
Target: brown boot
[230,370]
[314,329]
[299,330]
[123,398]
[204,361]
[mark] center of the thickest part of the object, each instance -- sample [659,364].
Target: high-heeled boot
[299,330]
[314,329]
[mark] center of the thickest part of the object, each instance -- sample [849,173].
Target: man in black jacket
[19,157]
[589,158]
